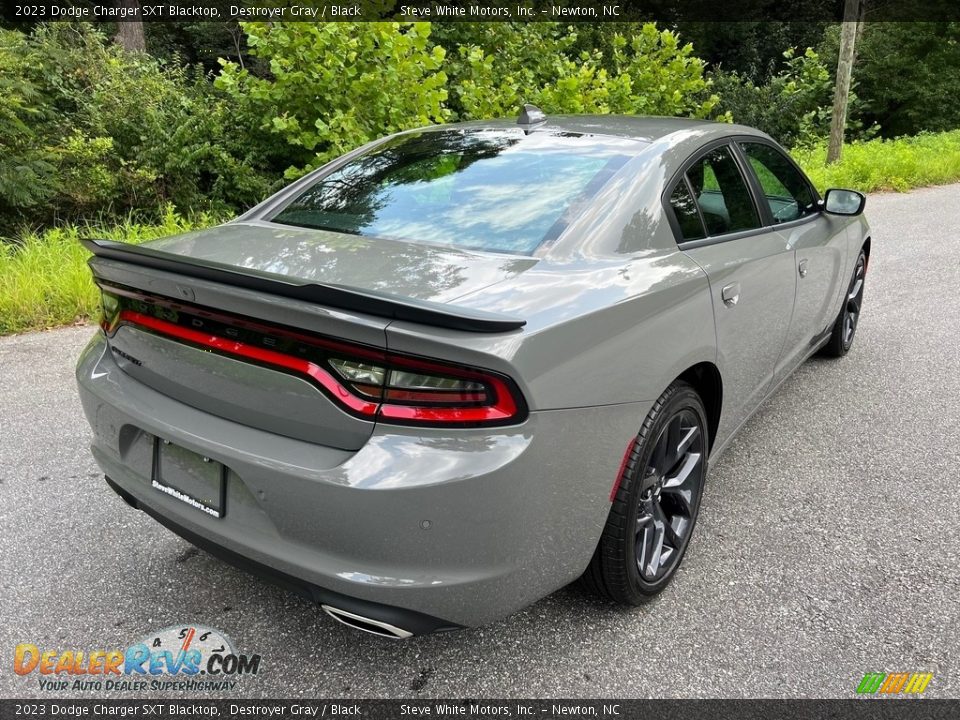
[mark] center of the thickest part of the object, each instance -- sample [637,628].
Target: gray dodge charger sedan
[462,366]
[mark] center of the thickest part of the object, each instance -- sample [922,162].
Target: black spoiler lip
[336,296]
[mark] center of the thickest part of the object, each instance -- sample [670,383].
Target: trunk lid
[413,270]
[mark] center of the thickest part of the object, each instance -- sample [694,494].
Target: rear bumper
[435,528]
[409,620]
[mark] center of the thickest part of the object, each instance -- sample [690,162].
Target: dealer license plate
[189,477]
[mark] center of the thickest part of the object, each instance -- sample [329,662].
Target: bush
[907,75]
[101,132]
[785,105]
[794,106]
[900,164]
[646,73]
[27,171]
[334,86]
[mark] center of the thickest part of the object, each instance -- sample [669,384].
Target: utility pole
[841,95]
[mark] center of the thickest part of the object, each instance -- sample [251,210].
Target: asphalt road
[828,543]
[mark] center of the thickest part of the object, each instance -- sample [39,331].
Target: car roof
[644,128]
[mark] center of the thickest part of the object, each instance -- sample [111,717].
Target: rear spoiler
[337,296]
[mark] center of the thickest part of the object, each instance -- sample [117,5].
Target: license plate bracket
[191,478]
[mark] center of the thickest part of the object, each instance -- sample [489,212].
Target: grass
[44,279]
[900,164]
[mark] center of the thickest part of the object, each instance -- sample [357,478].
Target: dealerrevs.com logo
[177,658]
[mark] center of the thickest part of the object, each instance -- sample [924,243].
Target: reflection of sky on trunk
[500,191]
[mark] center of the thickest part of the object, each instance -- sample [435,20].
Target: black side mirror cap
[838,201]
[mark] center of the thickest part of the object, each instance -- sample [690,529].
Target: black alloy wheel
[656,504]
[845,327]
[670,490]
[854,301]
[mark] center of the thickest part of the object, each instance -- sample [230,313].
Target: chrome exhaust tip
[365,624]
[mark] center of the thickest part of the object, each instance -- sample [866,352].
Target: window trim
[763,210]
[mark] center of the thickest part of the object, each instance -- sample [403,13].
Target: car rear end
[291,427]
[410,515]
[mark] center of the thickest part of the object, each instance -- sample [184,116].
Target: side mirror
[843,202]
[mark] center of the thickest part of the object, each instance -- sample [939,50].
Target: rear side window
[721,193]
[686,213]
[785,189]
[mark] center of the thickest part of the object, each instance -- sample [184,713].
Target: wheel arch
[706,380]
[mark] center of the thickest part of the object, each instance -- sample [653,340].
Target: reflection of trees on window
[786,191]
[348,199]
[722,194]
[686,213]
[497,190]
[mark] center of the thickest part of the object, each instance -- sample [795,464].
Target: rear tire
[656,505]
[845,327]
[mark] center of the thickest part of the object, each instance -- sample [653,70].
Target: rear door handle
[731,294]
[803,268]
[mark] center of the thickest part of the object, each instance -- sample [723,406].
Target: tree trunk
[841,95]
[130,32]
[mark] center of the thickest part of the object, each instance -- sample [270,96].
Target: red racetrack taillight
[364,381]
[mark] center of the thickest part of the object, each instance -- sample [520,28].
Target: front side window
[785,189]
[721,192]
[494,190]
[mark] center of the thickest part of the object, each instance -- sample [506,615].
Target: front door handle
[803,268]
[731,294]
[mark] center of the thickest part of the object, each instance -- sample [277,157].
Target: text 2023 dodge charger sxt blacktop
[462,366]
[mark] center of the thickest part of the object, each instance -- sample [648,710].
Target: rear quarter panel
[597,333]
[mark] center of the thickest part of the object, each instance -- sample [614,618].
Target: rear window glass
[494,190]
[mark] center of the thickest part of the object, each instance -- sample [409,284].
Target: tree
[130,32]
[647,72]
[334,86]
[909,90]
[841,97]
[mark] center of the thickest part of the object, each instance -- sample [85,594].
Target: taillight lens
[110,311]
[405,386]
[417,391]
[363,381]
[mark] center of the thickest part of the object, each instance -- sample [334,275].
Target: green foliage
[493,68]
[44,278]
[94,130]
[196,43]
[899,164]
[334,86]
[793,107]
[754,49]
[26,166]
[907,75]
[646,73]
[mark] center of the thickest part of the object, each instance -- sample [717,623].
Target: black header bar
[885,709]
[567,11]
